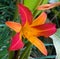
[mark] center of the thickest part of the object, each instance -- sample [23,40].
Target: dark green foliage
[7,8]
[7,12]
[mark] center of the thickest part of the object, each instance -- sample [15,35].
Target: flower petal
[25,14]
[16,43]
[38,43]
[48,6]
[13,25]
[46,29]
[40,19]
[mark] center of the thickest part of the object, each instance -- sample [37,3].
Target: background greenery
[8,12]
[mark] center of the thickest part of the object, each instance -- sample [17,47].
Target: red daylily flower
[30,29]
[48,6]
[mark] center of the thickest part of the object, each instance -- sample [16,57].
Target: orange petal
[48,6]
[27,29]
[40,19]
[13,25]
[38,43]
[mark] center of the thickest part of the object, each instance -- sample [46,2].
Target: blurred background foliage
[8,12]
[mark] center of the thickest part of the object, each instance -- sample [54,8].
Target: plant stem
[16,11]
[14,54]
[21,1]
[27,51]
[11,54]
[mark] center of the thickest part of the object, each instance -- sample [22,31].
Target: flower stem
[11,54]
[21,1]
[14,54]
[27,51]
[16,11]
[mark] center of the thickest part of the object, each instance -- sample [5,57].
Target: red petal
[16,43]
[46,29]
[25,14]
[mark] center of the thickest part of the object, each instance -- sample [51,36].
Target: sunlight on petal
[13,25]
[38,43]
[40,19]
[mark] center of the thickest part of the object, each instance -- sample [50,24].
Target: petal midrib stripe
[15,44]
[23,12]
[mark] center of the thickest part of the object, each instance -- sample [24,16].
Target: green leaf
[45,2]
[30,58]
[31,4]
[56,41]
[26,53]
[46,57]
[37,12]
[4,41]
[43,57]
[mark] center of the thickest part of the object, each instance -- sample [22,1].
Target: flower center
[26,30]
